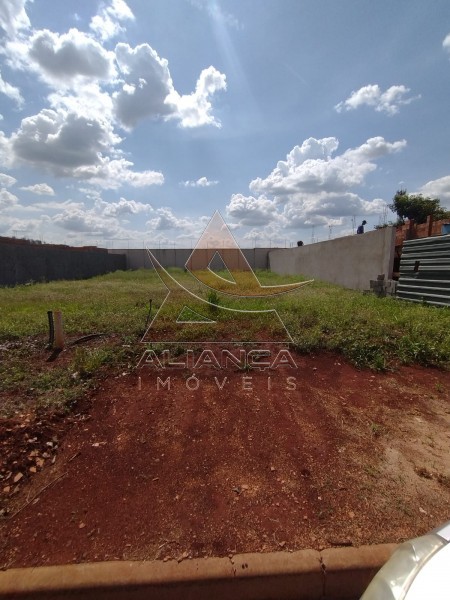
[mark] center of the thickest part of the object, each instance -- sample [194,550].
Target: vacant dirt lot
[332,456]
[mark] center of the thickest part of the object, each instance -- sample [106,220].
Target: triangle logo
[217,264]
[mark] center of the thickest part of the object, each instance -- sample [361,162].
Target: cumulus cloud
[148,90]
[313,186]
[69,145]
[61,141]
[165,219]
[311,167]
[82,221]
[107,23]
[147,84]
[41,189]
[7,199]
[123,207]
[195,110]
[65,58]
[438,188]
[13,16]
[6,180]
[88,101]
[11,92]
[202,182]
[112,174]
[250,211]
[388,102]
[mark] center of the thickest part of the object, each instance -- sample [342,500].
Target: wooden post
[58,343]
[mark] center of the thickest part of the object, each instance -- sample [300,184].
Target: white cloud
[328,209]
[311,168]
[6,180]
[195,110]
[371,95]
[438,188]
[52,205]
[202,182]
[148,90]
[7,199]
[61,142]
[123,207]
[5,150]
[65,58]
[313,186]
[11,92]
[106,24]
[41,189]
[165,219]
[112,174]
[446,43]
[70,145]
[13,16]
[87,101]
[250,211]
[86,221]
[147,84]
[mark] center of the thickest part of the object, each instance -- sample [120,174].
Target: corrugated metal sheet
[425,271]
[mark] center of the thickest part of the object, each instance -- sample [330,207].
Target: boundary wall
[258,258]
[351,261]
[26,262]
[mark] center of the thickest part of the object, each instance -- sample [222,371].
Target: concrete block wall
[258,258]
[23,263]
[351,261]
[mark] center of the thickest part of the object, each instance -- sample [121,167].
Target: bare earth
[347,458]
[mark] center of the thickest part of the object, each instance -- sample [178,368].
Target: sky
[128,123]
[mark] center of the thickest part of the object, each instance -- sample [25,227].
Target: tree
[417,207]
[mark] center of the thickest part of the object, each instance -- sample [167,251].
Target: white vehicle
[418,570]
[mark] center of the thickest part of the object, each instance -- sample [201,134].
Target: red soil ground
[347,457]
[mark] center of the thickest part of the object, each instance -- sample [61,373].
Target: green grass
[369,331]
[114,303]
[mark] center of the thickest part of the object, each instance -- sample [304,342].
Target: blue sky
[128,123]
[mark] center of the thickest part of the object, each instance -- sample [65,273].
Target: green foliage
[214,300]
[88,361]
[417,207]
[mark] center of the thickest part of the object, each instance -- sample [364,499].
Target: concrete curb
[334,574]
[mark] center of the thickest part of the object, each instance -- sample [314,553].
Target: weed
[376,429]
[214,300]
[89,361]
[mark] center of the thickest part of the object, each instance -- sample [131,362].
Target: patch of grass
[214,301]
[89,361]
[378,333]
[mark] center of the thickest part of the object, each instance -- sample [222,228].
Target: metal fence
[425,271]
